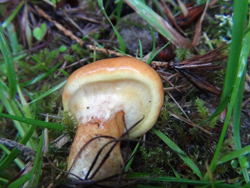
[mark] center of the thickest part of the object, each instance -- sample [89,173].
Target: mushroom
[106,98]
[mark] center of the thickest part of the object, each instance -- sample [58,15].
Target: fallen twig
[73,37]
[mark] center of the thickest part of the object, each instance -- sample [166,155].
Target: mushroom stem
[85,148]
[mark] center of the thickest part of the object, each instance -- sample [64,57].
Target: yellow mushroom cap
[101,89]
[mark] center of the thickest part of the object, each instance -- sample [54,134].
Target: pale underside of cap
[101,89]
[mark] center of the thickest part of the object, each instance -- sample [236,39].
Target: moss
[69,58]
[78,49]
[201,108]
[182,53]
[77,52]
[60,154]
[204,115]
[199,146]
[217,77]
[200,2]
[69,124]
[155,159]
[38,64]
[46,56]
[48,104]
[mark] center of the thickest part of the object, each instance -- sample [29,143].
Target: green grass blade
[236,121]
[153,56]
[141,54]
[146,186]
[246,185]
[159,8]
[13,109]
[148,177]
[234,154]
[25,106]
[239,20]
[118,11]
[3,157]
[121,51]
[19,163]
[16,58]
[13,39]
[37,166]
[64,72]
[132,158]
[3,182]
[236,88]
[121,42]
[39,123]
[40,63]
[55,88]
[175,172]
[1,108]
[10,110]
[227,121]
[179,152]
[158,23]
[26,23]
[21,55]
[13,154]
[238,102]
[20,181]
[13,14]
[9,64]
[40,77]
[154,44]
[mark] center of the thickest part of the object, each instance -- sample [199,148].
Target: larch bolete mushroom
[106,98]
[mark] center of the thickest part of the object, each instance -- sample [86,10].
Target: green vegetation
[37,59]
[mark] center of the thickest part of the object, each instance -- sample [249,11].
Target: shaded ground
[191,94]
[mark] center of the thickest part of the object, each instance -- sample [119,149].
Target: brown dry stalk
[176,38]
[171,17]
[73,37]
[179,117]
[106,51]
[89,46]
[196,39]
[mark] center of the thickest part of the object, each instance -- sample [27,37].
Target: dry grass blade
[179,106]
[167,89]
[166,80]
[197,61]
[212,56]
[87,19]
[183,8]
[26,24]
[73,37]
[76,26]
[200,82]
[196,39]
[198,64]
[159,23]
[212,3]
[24,149]
[177,116]
[171,17]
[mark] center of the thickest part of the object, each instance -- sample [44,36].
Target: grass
[9,65]
[121,42]
[30,128]
[233,76]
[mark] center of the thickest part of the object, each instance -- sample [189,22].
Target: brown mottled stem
[81,157]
